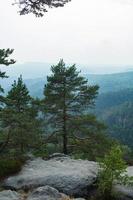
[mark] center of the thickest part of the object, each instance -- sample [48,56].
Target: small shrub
[10,166]
[113,169]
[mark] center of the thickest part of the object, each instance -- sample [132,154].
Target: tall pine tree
[67,98]
[21,118]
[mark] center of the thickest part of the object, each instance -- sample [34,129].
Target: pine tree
[67,98]
[18,97]
[21,118]
[4,60]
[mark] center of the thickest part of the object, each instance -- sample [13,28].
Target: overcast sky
[84,31]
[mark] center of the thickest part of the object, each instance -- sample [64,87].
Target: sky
[89,32]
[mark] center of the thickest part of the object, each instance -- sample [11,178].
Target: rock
[46,193]
[69,176]
[79,199]
[125,192]
[58,155]
[9,195]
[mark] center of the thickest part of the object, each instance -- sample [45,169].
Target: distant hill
[112,82]
[33,70]
[120,122]
[107,82]
[110,99]
[29,70]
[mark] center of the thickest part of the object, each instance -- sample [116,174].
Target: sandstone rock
[58,155]
[79,199]
[46,193]
[69,176]
[9,195]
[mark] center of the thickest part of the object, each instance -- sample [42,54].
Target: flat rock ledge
[9,195]
[59,174]
[69,176]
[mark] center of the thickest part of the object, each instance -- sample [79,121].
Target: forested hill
[110,99]
[112,82]
[107,82]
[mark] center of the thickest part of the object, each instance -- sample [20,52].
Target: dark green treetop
[20,117]
[5,60]
[4,57]
[18,97]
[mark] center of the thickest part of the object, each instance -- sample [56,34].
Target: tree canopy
[67,99]
[38,7]
[5,60]
[20,117]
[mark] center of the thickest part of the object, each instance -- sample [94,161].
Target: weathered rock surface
[46,193]
[9,195]
[69,176]
[79,199]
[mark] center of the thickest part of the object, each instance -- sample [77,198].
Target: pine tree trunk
[65,151]
[65,140]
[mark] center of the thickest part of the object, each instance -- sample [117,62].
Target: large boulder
[9,195]
[69,176]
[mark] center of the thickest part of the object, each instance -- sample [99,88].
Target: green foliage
[113,169]
[19,116]
[96,146]
[4,60]
[41,151]
[18,97]
[67,98]
[4,57]
[10,167]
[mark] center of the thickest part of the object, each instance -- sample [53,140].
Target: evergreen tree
[18,97]
[67,98]
[21,118]
[4,57]
[4,60]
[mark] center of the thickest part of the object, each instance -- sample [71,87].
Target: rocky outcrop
[41,193]
[69,176]
[46,193]
[9,195]
[48,179]
[78,199]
